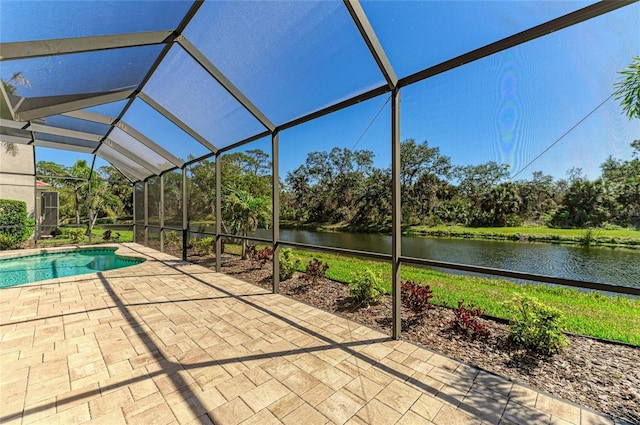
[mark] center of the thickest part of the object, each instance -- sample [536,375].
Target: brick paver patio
[169,342]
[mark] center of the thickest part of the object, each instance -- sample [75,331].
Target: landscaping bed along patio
[598,374]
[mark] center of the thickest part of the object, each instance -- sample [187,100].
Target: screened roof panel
[27,20]
[418,34]
[186,90]
[123,162]
[76,124]
[290,58]
[66,140]
[162,131]
[78,74]
[134,146]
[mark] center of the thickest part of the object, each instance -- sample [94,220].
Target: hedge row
[14,227]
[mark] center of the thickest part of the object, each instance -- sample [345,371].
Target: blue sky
[506,108]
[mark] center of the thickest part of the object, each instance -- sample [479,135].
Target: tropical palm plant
[243,212]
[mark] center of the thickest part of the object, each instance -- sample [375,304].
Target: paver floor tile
[264,394]
[305,414]
[340,406]
[231,413]
[398,396]
[558,408]
[378,413]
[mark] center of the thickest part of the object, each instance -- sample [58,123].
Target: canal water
[615,266]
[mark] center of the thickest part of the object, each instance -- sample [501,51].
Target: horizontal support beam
[61,108]
[90,116]
[168,115]
[336,107]
[522,275]
[62,46]
[199,57]
[350,252]
[63,146]
[14,139]
[47,129]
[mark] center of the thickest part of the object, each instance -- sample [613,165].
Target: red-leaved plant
[467,321]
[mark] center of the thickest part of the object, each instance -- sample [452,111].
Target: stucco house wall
[17,176]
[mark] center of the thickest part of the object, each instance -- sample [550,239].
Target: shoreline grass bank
[623,238]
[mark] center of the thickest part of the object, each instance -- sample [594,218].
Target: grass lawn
[96,237]
[587,313]
[622,237]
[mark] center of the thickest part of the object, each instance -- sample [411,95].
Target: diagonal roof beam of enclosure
[370,37]
[39,48]
[199,57]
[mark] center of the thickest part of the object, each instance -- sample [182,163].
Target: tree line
[343,186]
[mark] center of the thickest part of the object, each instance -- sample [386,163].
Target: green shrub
[536,326]
[366,287]
[288,264]
[205,246]
[13,223]
[171,238]
[74,234]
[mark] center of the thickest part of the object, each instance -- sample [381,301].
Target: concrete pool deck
[168,342]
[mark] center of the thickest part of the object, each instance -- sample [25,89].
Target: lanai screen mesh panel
[67,19]
[420,34]
[291,57]
[184,88]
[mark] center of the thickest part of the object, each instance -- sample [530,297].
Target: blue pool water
[33,268]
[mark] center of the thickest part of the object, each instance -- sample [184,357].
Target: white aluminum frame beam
[63,146]
[47,129]
[73,105]
[91,116]
[168,115]
[14,139]
[199,57]
[62,46]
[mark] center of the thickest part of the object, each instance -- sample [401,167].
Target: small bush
[74,234]
[171,238]
[288,264]
[205,246]
[415,297]
[366,287]
[536,326]
[13,223]
[316,269]
[467,321]
[56,232]
[192,242]
[260,256]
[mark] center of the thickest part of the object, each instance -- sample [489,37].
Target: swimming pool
[33,268]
